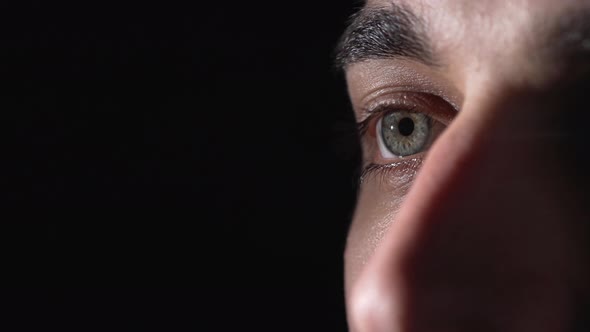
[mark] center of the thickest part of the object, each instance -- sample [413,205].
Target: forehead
[477,9]
[492,18]
[498,35]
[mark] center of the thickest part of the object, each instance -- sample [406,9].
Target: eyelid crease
[402,99]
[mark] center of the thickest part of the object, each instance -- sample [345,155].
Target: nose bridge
[489,153]
[477,233]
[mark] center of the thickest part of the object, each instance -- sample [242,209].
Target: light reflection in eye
[402,133]
[401,126]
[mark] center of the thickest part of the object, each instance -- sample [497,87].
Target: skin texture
[486,230]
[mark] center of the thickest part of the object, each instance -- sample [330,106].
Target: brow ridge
[389,32]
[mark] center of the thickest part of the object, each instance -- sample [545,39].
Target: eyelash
[384,171]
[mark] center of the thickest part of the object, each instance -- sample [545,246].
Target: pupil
[406,126]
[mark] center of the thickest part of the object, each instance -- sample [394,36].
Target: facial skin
[484,228]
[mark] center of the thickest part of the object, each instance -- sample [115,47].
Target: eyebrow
[383,33]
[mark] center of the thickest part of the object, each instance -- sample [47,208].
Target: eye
[398,128]
[402,133]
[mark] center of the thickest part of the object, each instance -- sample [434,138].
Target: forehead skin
[470,37]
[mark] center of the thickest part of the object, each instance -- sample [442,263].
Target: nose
[482,242]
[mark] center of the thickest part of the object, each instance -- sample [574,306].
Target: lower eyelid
[394,176]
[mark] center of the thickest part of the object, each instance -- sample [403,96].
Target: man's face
[471,211]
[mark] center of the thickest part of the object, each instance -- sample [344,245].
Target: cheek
[379,200]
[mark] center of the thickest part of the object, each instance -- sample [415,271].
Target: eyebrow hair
[383,33]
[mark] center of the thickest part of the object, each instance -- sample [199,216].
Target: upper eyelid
[404,98]
[405,101]
[370,108]
[381,96]
[371,79]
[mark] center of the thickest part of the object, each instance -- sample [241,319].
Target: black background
[192,165]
